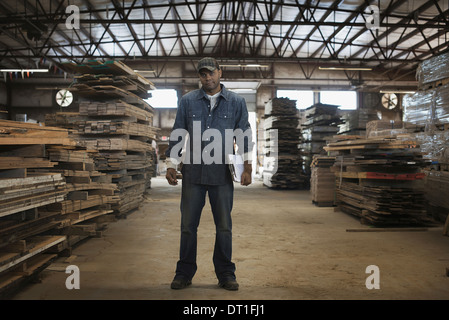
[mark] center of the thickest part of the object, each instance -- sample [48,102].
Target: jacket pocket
[192,117]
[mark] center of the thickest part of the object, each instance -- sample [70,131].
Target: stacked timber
[115,120]
[354,122]
[322,181]
[385,128]
[321,122]
[282,159]
[90,193]
[24,192]
[380,180]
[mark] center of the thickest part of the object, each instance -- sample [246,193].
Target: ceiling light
[244,65]
[346,68]
[397,91]
[23,70]
[143,71]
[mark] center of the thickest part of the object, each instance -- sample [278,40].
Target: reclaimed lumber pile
[24,239]
[380,180]
[320,122]
[354,122]
[115,120]
[24,259]
[114,73]
[51,197]
[90,193]
[22,133]
[282,159]
[22,151]
[322,181]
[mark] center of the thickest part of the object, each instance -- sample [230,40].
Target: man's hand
[245,180]
[171,176]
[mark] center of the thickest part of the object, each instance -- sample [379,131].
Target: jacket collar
[224,93]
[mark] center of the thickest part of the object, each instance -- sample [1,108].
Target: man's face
[210,80]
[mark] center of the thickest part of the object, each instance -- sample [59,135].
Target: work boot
[180,283]
[229,285]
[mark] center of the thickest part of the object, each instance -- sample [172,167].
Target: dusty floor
[284,248]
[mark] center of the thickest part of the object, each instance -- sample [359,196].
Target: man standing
[209,112]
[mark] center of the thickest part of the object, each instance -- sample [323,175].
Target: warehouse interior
[348,101]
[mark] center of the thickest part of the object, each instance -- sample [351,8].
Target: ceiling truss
[307,32]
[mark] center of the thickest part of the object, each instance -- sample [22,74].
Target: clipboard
[236,166]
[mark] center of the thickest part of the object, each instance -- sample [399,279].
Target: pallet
[382,176]
[434,84]
[13,255]
[23,260]
[324,203]
[13,281]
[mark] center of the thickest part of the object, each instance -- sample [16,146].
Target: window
[347,100]
[163,98]
[304,99]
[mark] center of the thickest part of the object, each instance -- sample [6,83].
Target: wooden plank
[22,162]
[41,243]
[10,281]
[386,229]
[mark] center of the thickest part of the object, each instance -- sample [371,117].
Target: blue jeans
[193,199]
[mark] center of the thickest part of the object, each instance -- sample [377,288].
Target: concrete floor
[284,248]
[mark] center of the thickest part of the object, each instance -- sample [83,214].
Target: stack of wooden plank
[23,192]
[380,180]
[90,193]
[23,149]
[322,182]
[354,121]
[114,73]
[115,120]
[23,259]
[282,159]
[320,122]
[22,133]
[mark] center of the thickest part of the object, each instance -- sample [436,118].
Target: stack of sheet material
[282,160]
[379,180]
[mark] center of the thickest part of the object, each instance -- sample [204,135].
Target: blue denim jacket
[230,113]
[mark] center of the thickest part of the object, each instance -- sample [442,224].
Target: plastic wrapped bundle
[433,69]
[430,107]
[435,146]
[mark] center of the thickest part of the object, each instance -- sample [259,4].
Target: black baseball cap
[208,63]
